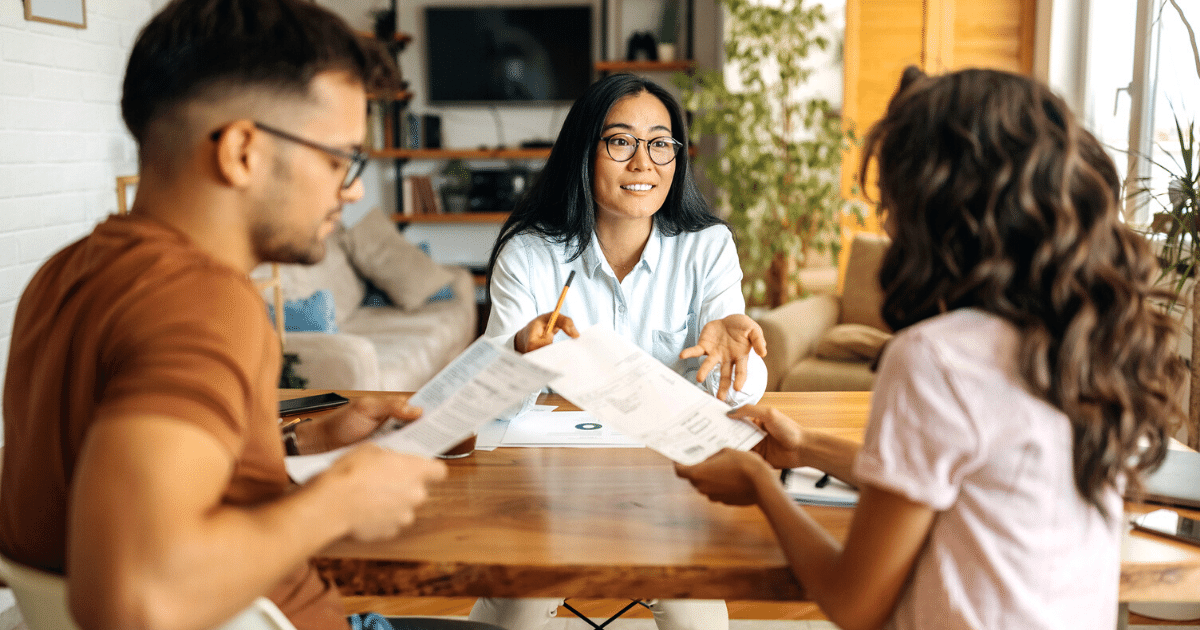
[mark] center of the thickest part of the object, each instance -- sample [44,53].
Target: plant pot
[666,52]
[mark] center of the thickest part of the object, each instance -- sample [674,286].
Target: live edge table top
[598,522]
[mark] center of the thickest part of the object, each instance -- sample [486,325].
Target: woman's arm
[514,319]
[857,585]
[732,343]
[513,302]
[789,445]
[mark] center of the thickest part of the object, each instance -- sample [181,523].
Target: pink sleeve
[921,442]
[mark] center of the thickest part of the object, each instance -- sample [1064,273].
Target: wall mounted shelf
[461,217]
[684,65]
[463,154]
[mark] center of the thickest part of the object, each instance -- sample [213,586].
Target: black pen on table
[786,472]
[561,296]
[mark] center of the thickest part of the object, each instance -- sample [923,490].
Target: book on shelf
[419,196]
[376,126]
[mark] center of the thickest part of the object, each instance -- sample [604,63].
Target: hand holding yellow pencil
[540,331]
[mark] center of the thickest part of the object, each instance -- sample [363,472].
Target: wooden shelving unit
[463,154]
[402,95]
[460,217]
[683,65]
[399,39]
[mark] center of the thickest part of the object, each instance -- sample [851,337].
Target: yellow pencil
[562,296]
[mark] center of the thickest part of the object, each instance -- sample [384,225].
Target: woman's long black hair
[559,205]
[998,199]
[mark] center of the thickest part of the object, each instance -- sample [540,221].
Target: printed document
[563,428]
[627,388]
[477,386]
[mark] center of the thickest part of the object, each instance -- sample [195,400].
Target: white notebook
[801,485]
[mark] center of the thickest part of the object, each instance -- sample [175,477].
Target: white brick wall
[62,142]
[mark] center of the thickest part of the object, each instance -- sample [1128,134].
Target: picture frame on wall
[71,13]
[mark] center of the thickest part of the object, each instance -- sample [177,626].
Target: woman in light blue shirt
[616,204]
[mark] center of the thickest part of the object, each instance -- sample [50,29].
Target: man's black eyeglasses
[357,159]
[622,146]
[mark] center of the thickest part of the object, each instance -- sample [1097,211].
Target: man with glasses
[143,453]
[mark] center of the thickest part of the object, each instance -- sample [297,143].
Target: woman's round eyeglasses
[622,146]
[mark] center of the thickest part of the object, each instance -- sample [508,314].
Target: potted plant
[455,186]
[778,168]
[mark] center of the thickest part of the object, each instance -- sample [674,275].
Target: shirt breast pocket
[669,343]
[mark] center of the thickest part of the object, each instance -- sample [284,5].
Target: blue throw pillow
[446,292]
[312,314]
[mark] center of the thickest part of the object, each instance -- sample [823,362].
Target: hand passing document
[477,386]
[627,388]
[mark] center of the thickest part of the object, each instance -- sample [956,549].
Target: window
[1145,45]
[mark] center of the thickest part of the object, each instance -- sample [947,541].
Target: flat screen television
[497,54]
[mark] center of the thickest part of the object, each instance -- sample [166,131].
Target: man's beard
[287,252]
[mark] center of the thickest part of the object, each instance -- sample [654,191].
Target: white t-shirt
[681,283]
[1013,545]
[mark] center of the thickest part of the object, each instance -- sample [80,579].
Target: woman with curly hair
[1031,378]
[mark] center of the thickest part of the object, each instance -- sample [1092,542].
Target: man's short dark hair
[193,47]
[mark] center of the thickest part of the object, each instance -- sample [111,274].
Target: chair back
[41,596]
[263,614]
[42,599]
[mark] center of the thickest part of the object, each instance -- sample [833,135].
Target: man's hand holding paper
[477,386]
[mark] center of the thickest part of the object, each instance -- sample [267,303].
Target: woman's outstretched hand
[535,334]
[727,342]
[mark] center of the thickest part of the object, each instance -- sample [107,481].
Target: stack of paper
[801,485]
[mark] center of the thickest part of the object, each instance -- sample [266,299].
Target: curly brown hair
[998,199]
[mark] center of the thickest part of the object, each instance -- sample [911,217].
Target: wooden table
[611,523]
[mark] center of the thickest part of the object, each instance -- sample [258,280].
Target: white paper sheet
[563,428]
[491,434]
[624,386]
[477,386]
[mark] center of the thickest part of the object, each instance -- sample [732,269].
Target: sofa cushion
[399,268]
[414,345]
[862,297]
[312,314]
[852,342]
[821,375]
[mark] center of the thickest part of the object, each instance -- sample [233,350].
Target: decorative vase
[666,52]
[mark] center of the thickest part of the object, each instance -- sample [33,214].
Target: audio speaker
[431,131]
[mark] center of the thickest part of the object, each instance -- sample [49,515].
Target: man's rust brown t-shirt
[135,319]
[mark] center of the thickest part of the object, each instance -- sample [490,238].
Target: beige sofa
[394,347]
[827,342]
